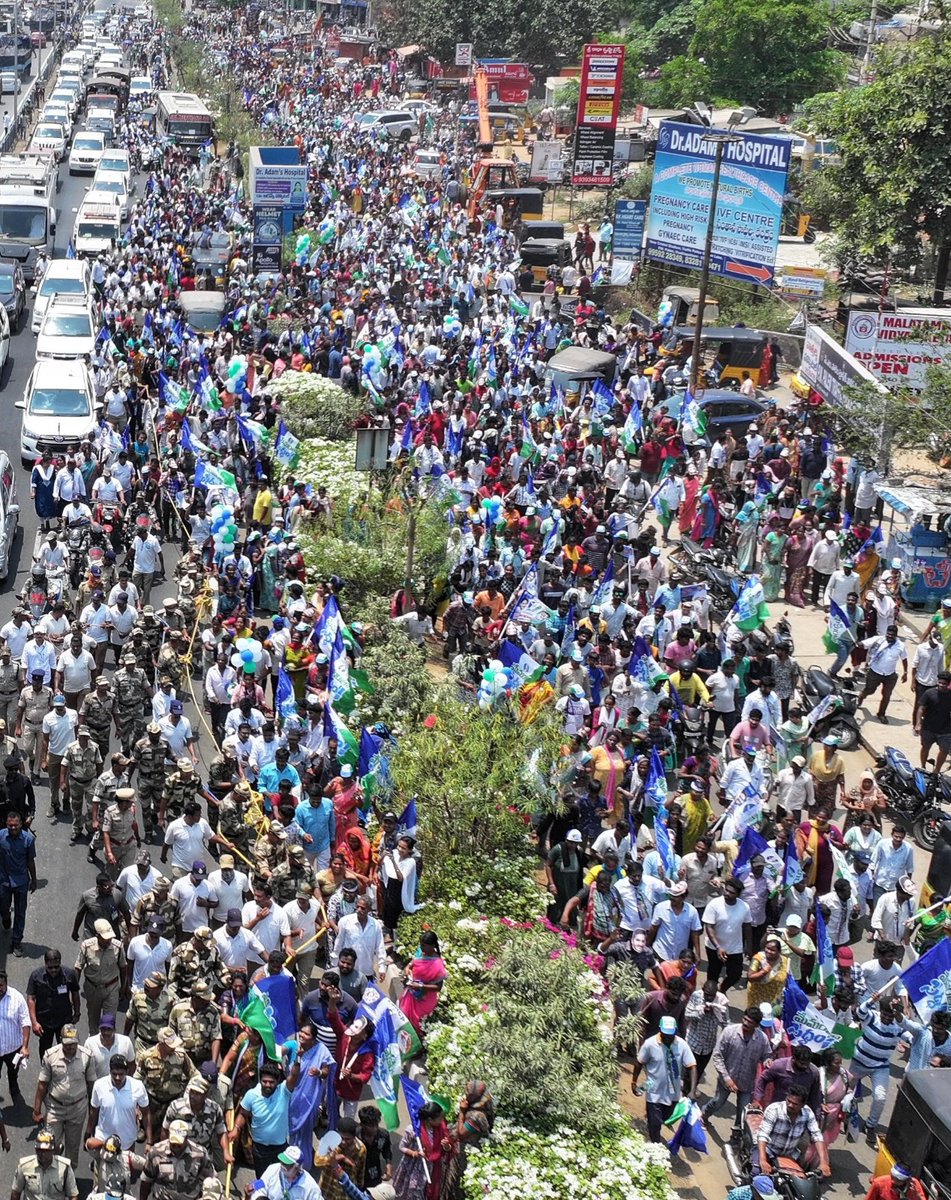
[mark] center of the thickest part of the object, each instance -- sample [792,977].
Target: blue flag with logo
[415,1099]
[752,843]
[806,1025]
[286,703]
[929,980]
[792,871]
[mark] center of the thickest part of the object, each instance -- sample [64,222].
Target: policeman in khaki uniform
[104,794]
[35,702]
[165,1070]
[9,687]
[148,1013]
[97,711]
[44,1175]
[180,787]
[105,971]
[132,693]
[151,757]
[67,1073]
[288,877]
[197,1022]
[198,958]
[201,1111]
[232,816]
[80,769]
[120,832]
[176,1168]
[159,903]
[170,661]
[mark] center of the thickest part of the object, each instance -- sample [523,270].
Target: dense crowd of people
[193,742]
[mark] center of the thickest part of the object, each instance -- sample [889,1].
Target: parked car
[726,409]
[12,291]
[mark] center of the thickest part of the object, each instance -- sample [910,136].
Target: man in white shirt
[149,952]
[16,633]
[766,700]
[194,896]
[723,686]
[15,1027]
[794,788]
[885,652]
[304,917]
[892,920]
[177,731]
[187,838]
[104,1044]
[121,620]
[75,671]
[267,921]
[94,621]
[147,559]
[38,655]
[58,732]
[68,482]
[240,948]
[229,888]
[136,881]
[117,1105]
[362,933]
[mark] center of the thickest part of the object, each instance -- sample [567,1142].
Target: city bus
[184,119]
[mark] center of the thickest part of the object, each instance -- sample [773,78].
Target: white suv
[62,277]
[85,153]
[68,329]
[399,125]
[59,409]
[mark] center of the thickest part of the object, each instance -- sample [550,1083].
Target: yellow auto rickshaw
[919,1132]
[738,350]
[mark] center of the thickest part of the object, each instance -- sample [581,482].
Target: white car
[140,87]
[68,97]
[399,126]
[86,151]
[62,277]
[116,160]
[49,137]
[59,409]
[10,82]
[116,183]
[68,329]
[56,110]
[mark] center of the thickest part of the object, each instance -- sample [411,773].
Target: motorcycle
[914,795]
[792,1181]
[834,703]
[78,538]
[43,589]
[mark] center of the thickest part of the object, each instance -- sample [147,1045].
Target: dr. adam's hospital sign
[749,201]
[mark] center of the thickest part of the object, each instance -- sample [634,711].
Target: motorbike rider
[76,513]
[786,1123]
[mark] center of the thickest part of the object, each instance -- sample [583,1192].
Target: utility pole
[721,142]
[867,60]
[16,61]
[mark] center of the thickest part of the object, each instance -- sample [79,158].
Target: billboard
[801,283]
[830,369]
[544,153]
[599,102]
[899,347]
[278,177]
[508,83]
[749,201]
[629,219]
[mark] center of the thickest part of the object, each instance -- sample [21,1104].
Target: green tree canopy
[770,54]
[892,187]
[547,34]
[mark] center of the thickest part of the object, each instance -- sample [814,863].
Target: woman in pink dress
[423,977]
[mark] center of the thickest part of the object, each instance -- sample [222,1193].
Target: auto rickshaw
[541,253]
[518,204]
[685,303]
[739,350]
[919,1132]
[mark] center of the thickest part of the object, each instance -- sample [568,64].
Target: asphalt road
[62,870]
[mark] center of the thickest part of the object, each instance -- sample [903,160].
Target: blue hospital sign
[749,201]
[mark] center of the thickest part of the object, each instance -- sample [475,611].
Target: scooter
[914,795]
[834,704]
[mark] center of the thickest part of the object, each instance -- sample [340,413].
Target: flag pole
[924,911]
[422,1155]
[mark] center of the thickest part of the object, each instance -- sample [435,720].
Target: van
[9,512]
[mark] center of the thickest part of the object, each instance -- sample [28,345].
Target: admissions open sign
[899,347]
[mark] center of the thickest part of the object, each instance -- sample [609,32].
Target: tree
[890,195]
[770,54]
[544,34]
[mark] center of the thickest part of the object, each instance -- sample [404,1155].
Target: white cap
[573,835]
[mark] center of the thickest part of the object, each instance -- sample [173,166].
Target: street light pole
[16,60]
[721,142]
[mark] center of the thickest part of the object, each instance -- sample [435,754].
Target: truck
[184,119]
[27,211]
[98,224]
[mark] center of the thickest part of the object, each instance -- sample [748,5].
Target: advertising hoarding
[599,102]
[830,369]
[898,347]
[629,220]
[749,201]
